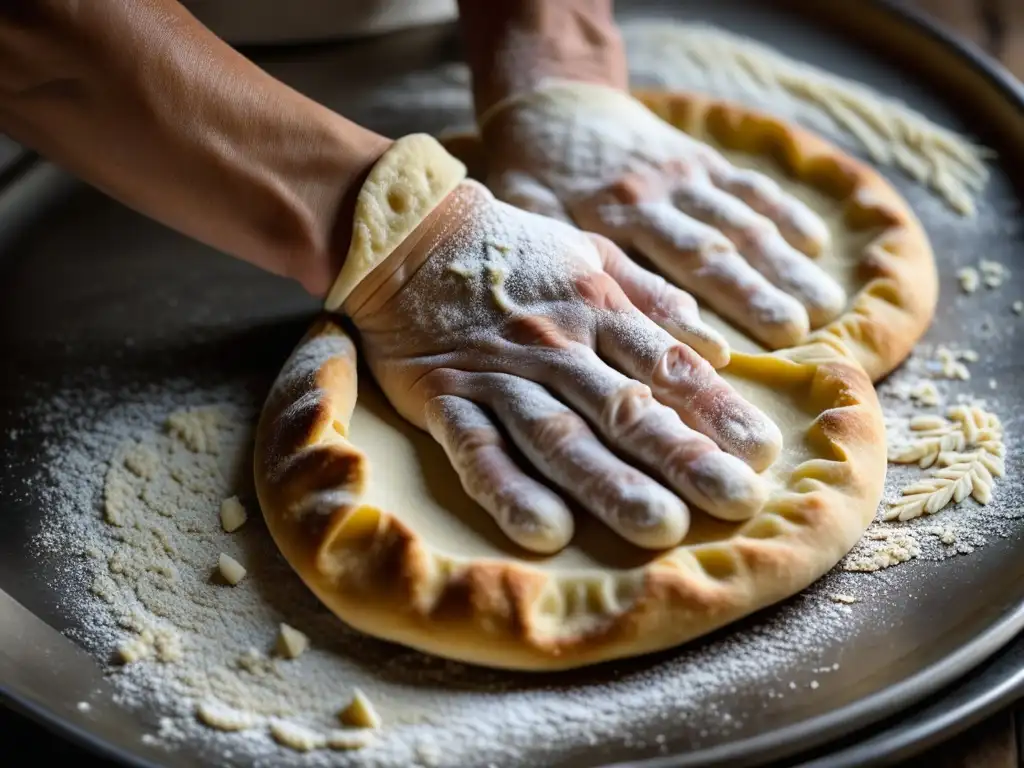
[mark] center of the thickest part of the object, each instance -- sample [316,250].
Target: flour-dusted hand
[491,321]
[594,155]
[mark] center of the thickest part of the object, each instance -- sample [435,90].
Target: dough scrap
[881,253]
[291,643]
[232,570]
[360,712]
[232,514]
[368,512]
[403,187]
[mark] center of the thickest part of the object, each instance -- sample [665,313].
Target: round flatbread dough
[880,253]
[368,511]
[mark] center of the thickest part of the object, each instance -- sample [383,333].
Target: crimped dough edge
[379,576]
[895,306]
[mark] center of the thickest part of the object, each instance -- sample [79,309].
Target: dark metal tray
[80,274]
[984,691]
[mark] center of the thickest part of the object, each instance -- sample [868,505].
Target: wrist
[513,46]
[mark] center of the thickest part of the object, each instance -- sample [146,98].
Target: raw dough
[880,253]
[370,514]
[403,187]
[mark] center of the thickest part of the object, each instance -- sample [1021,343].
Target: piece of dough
[880,253]
[402,188]
[368,511]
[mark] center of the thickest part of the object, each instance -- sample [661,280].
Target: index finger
[686,382]
[800,226]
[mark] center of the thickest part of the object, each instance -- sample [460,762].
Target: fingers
[669,307]
[524,191]
[797,223]
[529,513]
[561,445]
[630,419]
[683,380]
[764,248]
[705,263]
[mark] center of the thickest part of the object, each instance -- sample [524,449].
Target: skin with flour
[263,173]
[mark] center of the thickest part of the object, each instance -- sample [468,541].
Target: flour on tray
[134,534]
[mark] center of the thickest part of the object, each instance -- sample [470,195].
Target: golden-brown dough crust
[379,575]
[895,306]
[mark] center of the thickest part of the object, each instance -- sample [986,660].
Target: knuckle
[630,410]
[680,366]
[537,331]
[631,189]
[600,291]
[437,383]
[557,433]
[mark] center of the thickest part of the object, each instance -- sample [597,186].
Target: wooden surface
[997,27]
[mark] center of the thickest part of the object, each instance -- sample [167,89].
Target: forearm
[513,45]
[139,99]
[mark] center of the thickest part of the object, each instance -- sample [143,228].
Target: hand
[593,155]
[492,321]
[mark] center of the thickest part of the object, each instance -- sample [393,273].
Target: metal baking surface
[984,691]
[94,295]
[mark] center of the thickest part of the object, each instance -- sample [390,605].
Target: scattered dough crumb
[296,737]
[83,706]
[844,599]
[231,569]
[947,363]
[881,549]
[944,534]
[360,712]
[197,428]
[224,718]
[349,739]
[255,663]
[1018,307]
[135,649]
[163,643]
[814,685]
[993,273]
[969,279]
[167,644]
[291,643]
[142,462]
[232,514]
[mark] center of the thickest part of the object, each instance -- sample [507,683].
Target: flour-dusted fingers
[562,447]
[525,192]
[670,307]
[704,262]
[760,243]
[529,513]
[682,380]
[629,417]
[797,223]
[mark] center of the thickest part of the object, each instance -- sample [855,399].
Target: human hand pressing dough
[593,155]
[491,321]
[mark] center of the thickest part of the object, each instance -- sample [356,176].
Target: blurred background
[996,26]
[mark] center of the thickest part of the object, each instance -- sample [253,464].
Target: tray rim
[30,184]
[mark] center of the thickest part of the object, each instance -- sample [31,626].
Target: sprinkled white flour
[153,571]
[135,496]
